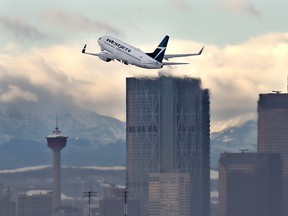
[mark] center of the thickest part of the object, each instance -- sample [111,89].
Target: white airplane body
[112,48]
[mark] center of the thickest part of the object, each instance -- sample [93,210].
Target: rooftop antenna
[57,122]
[123,192]
[276,92]
[90,194]
[243,150]
[126,197]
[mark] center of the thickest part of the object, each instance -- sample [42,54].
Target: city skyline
[245,52]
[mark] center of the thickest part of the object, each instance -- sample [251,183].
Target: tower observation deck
[56,141]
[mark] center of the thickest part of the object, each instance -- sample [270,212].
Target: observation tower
[56,141]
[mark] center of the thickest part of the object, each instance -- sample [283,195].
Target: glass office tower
[250,184]
[168,127]
[273,132]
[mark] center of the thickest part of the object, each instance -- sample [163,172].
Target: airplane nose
[99,40]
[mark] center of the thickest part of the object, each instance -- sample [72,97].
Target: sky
[42,68]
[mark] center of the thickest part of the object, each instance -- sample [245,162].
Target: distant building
[273,132]
[67,211]
[112,191]
[7,208]
[168,131]
[35,205]
[113,202]
[169,194]
[250,184]
[1,191]
[115,207]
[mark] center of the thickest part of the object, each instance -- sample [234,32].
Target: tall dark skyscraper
[250,184]
[273,132]
[168,127]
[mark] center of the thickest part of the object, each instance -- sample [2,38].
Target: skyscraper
[56,141]
[168,126]
[273,132]
[250,184]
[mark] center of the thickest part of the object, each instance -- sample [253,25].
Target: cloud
[241,6]
[237,74]
[21,28]
[181,5]
[60,76]
[15,93]
[74,21]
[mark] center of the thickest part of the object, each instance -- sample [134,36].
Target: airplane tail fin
[159,52]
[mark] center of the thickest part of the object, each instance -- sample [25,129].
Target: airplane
[112,48]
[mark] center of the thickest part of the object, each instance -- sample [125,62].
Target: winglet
[200,52]
[84,48]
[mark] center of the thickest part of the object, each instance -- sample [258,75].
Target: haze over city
[120,138]
[42,67]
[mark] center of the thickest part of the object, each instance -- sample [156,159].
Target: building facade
[168,130]
[7,208]
[169,194]
[273,132]
[35,205]
[250,184]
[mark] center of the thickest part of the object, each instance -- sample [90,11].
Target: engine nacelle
[105,56]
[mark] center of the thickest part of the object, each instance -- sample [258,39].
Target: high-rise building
[169,194]
[168,126]
[273,132]
[250,184]
[35,205]
[7,206]
[56,141]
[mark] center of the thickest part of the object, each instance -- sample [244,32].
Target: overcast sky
[42,68]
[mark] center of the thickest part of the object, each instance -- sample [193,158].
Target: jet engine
[105,56]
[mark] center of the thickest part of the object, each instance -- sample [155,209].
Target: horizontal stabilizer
[166,57]
[174,63]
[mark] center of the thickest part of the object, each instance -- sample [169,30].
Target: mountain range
[93,139]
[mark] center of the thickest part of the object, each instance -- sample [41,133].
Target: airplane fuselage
[127,53]
[114,49]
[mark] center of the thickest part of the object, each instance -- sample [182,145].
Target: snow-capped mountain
[232,140]
[93,139]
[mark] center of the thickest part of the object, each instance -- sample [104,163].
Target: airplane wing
[84,51]
[166,57]
[105,56]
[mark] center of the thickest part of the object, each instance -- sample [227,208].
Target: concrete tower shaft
[56,141]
